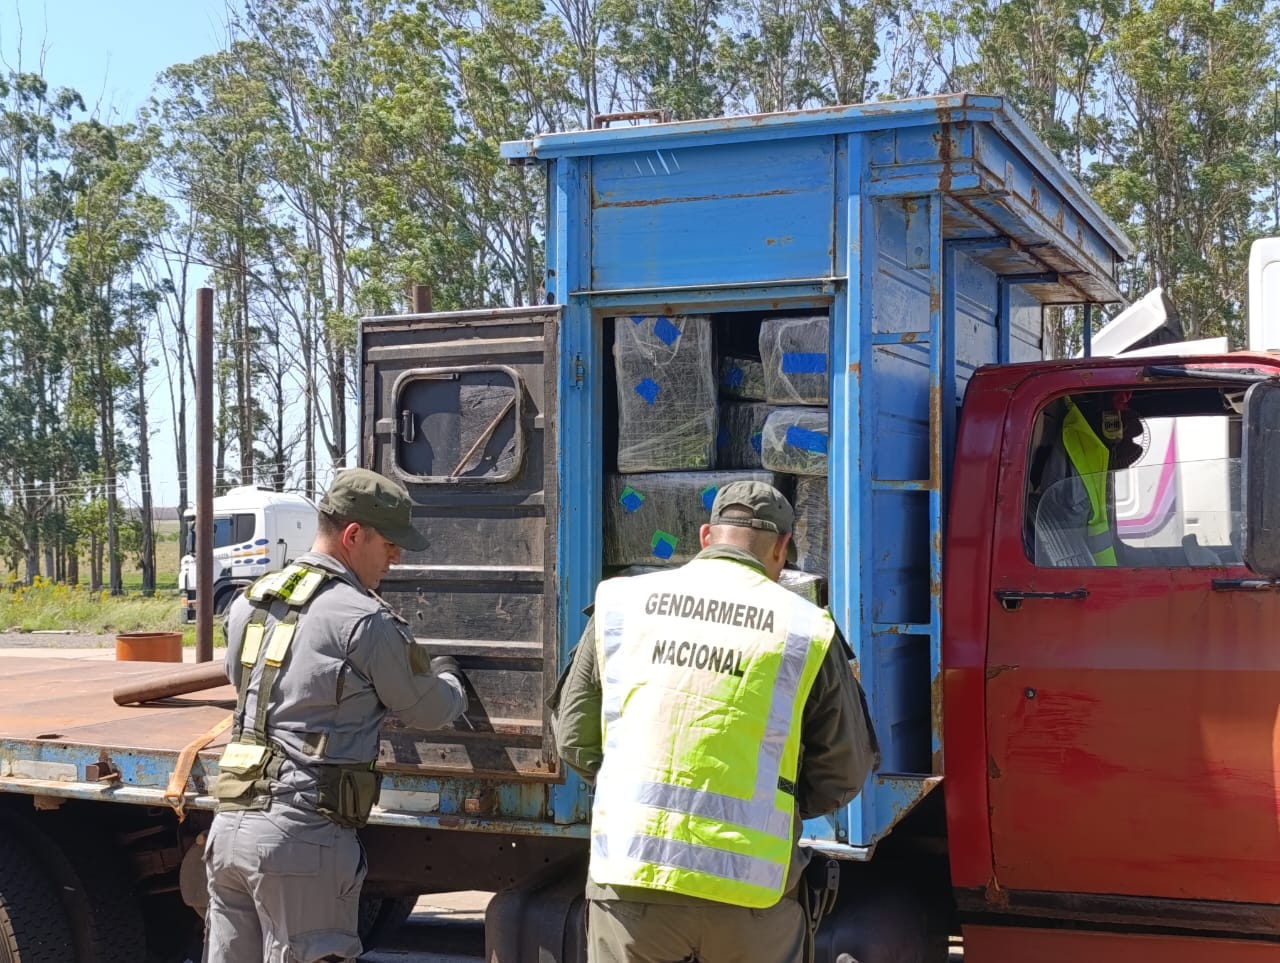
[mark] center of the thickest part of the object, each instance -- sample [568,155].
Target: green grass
[47,606]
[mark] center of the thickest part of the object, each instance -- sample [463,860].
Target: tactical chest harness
[251,760]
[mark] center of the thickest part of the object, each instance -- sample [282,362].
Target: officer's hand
[446,664]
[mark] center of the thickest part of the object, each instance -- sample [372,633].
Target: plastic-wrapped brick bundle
[654,518]
[741,378]
[741,437]
[795,354]
[813,525]
[805,585]
[666,393]
[811,587]
[795,440]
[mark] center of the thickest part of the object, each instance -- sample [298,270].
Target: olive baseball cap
[767,508]
[364,496]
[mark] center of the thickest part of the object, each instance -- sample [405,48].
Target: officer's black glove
[446,664]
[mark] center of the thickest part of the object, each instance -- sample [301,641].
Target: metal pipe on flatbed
[170,683]
[204,475]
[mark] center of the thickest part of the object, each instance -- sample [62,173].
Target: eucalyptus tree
[115,220]
[36,212]
[1191,158]
[217,113]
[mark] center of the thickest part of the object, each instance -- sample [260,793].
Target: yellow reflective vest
[704,672]
[1091,459]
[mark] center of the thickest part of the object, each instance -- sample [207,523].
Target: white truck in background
[1176,494]
[255,531]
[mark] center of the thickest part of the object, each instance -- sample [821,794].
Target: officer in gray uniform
[317,659]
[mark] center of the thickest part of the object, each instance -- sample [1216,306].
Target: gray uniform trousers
[284,887]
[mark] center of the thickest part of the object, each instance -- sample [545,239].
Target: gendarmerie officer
[317,659]
[713,710]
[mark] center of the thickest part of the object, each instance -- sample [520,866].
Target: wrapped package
[741,378]
[805,585]
[666,393]
[813,525]
[741,435]
[654,518]
[810,587]
[795,352]
[795,441]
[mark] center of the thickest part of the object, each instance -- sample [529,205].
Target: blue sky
[111,51]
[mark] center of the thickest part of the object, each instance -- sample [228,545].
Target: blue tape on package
[805,440]
[734,377]
[666,332]
[804,362]
[663,544]
[648,390]
[631,499]
[709,496]
[722,437]
[638,319]
[757,441]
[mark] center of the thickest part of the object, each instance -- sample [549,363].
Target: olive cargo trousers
[622,931]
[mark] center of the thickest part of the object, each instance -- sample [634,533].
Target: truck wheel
[880,921]
[381,916]
[90,876]
[222,601]
[34,927]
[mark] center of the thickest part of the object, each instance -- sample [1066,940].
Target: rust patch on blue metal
[659,201]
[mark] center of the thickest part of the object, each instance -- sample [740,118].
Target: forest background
[335,152]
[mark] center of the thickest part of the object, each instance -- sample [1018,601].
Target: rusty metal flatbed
[62,736]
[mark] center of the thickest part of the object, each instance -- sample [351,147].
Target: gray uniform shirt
[350,662]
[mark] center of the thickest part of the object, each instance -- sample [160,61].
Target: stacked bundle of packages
[741,378]
[813,525]
[741,440]
[794,440]
[795,351]
[796,435]
[666,393]
[654,518]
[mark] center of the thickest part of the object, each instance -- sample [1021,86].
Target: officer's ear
[704,535]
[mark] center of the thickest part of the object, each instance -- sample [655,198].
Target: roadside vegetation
[49,606]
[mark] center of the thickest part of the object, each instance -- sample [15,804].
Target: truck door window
[1135,479]
[459,424]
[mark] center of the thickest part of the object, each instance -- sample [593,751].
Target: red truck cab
[1111,726]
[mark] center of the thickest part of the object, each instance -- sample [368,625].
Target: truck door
[1133,679]
[460,408]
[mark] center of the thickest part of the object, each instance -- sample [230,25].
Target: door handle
[1245,584]
[1011,599]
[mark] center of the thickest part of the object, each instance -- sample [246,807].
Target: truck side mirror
[1261,464]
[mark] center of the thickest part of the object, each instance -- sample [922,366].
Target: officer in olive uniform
[713,710]
[317,659]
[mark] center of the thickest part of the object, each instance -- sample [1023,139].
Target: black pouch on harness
[348,794]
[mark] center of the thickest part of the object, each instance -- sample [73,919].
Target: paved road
[444,928]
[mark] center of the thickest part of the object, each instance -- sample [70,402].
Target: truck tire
[880,920]
[34,926]
[381,916]
[222,600]
[90,877]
